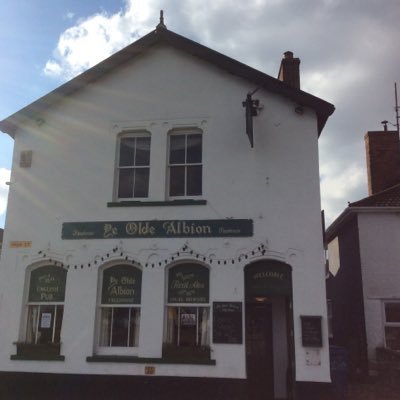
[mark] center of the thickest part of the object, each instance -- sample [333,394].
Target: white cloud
[4,177]
[340,185]
[95,38]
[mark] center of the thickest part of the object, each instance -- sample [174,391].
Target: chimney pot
[288,55]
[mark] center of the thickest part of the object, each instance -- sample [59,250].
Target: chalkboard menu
[227,322]
[311,331]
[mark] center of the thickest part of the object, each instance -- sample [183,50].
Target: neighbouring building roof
[385,201]
[161,35]
[386,198]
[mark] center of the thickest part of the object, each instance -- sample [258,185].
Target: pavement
[383,389]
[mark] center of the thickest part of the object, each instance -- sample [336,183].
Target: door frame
[263,280]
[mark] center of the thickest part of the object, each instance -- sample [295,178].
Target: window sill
[43,357]
[41,352]
[139,203]
[144,360]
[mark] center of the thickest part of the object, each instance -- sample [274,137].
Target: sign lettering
[158,229]
[188,283]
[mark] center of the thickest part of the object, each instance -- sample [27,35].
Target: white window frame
[114,350]
[329,316]
[388,324]
[187,305]
[184,132]
[124,135]
[23,332]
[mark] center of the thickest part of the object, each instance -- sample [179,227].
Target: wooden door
[259,351]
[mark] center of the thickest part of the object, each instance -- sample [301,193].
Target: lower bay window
[119,310]
[392,324]
[44,313]
[187,331]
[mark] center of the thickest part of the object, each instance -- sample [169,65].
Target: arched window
[45,305]
[187,309]
[120,307]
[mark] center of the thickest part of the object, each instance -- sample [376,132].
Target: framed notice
[45,321]
[311,331]
[227,322]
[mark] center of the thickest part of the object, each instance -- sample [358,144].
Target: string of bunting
[183,251]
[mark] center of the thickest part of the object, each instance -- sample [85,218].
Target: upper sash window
[185,164]
[133,166]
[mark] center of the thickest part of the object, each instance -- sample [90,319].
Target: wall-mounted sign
[158,229]
[20,244]
[188,283]
[149,370]
[311,331]
[47,284]
[267,278]
[122,284]
[227,322]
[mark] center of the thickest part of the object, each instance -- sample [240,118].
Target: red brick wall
[383,160]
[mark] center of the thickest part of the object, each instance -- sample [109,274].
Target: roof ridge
[162,35]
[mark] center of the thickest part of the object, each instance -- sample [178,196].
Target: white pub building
[163,235]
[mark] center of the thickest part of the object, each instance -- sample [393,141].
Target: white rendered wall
[380,260]
[276,184]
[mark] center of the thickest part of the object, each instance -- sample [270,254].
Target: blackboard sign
[227,322]
[311,331]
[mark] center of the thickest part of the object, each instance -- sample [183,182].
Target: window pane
[203,331]
[134,328]
[177,181]
[392,311]
[46,321]
[105,326]
[194,183]
[127,151]
[193,149]
[172,325]
[125,183]
[33,313]
[177,149]
[392,335]
[141,182]
[188,326]
[142,151]
[58,322]
[120,327]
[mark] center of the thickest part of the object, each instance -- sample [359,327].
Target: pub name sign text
[158,229]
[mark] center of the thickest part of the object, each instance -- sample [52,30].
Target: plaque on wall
[227,322]
[311,331]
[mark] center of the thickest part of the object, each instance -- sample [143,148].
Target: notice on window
[45,321]
[188,319]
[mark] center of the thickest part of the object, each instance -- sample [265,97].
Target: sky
[348,50]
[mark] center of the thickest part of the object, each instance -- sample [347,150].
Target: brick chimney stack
[383,159]
[289,71]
